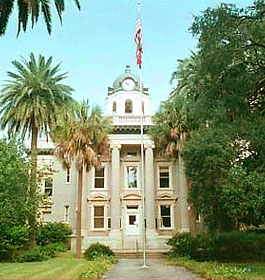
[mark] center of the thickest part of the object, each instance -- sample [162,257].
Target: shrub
[12,239]
[53,233]
[97,250]
[35,254]
[97,268]
[201,248]
[180,244]
[239,246]
[227,246]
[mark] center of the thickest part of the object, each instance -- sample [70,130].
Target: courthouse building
[112,210]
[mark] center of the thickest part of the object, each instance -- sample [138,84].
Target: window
[114,107]
[48,184]
[131,177]
[128,107]
[165,212]
[66,213]
[98,217]
[164,177]
[68,175]
[143,107]
[99,178]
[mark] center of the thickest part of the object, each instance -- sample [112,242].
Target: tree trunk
[79,215]
[33,185]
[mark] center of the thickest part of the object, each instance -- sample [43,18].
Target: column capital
[149,146]
[115,146]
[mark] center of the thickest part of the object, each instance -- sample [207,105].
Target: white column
[149,189]
[115,190]
[183,197]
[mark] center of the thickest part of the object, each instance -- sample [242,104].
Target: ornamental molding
[166,196]
[98,197]
[131,195]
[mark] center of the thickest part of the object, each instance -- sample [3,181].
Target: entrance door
[132,222]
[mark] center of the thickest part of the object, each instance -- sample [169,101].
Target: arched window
[128,106]
[114,107]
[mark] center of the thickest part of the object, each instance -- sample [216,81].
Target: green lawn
[63,267]
[216,270]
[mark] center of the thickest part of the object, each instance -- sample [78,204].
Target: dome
[127,74]
[117,84]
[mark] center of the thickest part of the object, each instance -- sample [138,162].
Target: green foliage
[232,246]
[97,250]
[14,183]
[39,253]
[31,10]
[97,268]
[53,232]
[12,239]
[35,254]
[180,245]
[213,270]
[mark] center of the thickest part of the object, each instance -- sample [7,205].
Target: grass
[215,270]
[65,266]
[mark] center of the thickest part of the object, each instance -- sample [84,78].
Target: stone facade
[112,211]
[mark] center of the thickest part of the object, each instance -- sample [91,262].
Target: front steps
[139,255]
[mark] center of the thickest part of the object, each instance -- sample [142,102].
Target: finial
[127,69]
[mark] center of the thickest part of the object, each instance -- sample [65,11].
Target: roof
[117,84]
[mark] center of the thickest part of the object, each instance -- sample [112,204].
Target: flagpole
[142,155]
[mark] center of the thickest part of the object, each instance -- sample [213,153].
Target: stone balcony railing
[130,120]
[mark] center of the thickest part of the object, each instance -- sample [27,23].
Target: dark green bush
[97,250]
[180,244]
[53,233]
[36,254]
[239,246]
[12,239]
[201,248]
[40,253]
[227,246]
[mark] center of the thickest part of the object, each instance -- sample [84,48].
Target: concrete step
[139,255]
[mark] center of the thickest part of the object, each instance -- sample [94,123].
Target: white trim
[160,225]
[105,217]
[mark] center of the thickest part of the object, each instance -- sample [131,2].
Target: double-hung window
[165,215]
[99,178]
[164,178]
[99,217]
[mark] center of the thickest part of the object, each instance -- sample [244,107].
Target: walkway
[156,269]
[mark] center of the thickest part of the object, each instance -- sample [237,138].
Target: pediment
[166,196]
[131,195]
[98,197]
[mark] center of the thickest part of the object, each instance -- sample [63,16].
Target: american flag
[138,38]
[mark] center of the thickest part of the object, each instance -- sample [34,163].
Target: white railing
[130,120]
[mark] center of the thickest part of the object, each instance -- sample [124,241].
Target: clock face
[128,84]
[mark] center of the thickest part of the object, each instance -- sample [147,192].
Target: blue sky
[95,44]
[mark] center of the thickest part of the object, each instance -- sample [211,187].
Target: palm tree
[171,125]
[29,103]
[84,140]
[32,9]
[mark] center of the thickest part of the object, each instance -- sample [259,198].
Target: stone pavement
[156,269]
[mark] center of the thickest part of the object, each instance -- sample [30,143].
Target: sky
[94,45]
